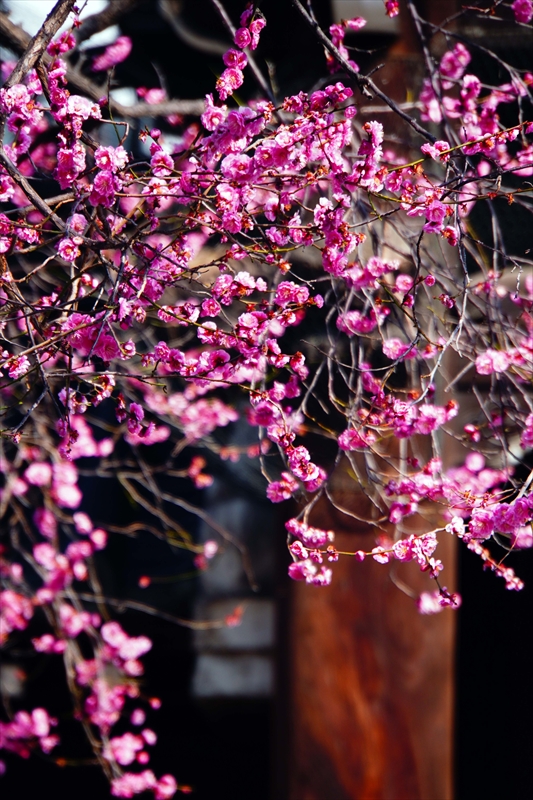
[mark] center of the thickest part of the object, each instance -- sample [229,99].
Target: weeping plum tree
[158,298]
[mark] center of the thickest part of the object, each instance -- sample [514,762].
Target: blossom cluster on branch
[157,300]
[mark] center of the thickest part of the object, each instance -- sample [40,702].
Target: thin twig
[365,84]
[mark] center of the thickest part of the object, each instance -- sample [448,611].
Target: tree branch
[15,38]
[366,85]
[40,41]
[191,38]
[251,60]
[104,19]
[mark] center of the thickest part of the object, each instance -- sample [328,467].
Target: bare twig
[365,84]
[195,40]
[104,19]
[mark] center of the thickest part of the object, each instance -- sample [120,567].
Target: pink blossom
[289,292]
[237,167]
[162,164]
[396,349]
[138,717]
[39,473]
[236,59]
[379,555]
[255,28]
[453,64]
[229,81]
[428,603]
[302,570]
[62,44]
[309,535]
[18,366]
[114,54]
[213,115]
[111,158]
[526,440]
[98,538]
[15,612]
[352,439]
[283,489]
[68,249]
[45,522]
[522,538]
[127,648]
[242,38]
[165,788]
[124,749]
[73,622]
[49,644]
[131,783]
[492,361]
[436,150]
[481,524]
[523,10]
[301,465]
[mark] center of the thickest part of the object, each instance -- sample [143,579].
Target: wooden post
[371,680]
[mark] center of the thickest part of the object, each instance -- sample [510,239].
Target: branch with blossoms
[282,267]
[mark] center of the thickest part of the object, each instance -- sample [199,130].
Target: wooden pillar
[371,680]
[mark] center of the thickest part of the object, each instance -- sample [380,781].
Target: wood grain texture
[371,680]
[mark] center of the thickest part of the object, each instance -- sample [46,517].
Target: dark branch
[365,84]
[104,19]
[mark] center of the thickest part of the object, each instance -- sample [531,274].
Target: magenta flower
[523,10]
[114,54]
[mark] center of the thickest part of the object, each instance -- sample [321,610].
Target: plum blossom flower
[111,158]
[392,8]
[113,55]
[213,115]
[523,10]
[18,366]
[124,749]
[352,439]
[39,473]
[68,249]
[396,349]
[283,489]
[492,361]
[437,150]
[229,82]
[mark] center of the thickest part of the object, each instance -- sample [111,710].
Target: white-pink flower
[492,361]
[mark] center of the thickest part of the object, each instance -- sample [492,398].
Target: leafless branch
[104,19]
[204,44]
[365,84]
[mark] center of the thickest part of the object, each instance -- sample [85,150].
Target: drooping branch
[190,37]
[251,60]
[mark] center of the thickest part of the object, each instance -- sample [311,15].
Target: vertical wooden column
[371,680]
